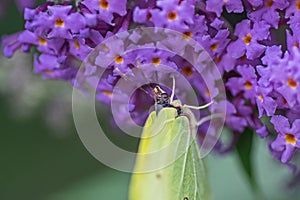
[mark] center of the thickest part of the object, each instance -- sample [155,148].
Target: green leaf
[244,151]
[168,166]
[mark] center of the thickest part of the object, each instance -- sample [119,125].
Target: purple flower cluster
[64,35]
[258,56]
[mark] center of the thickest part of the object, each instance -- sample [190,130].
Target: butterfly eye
[156,90]
[165,96]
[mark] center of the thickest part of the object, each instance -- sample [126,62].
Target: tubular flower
[260,70]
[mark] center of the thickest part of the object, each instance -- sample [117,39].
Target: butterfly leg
[210,117]
[173,90]
[199,107]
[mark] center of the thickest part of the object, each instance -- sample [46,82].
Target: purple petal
[236,49]
[235,6]
[280,123]
[215,6]
[254,50]
[262,132]
[288,153]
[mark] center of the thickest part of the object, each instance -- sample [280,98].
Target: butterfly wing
[168,166]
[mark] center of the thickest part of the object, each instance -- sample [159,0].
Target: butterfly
[168,165]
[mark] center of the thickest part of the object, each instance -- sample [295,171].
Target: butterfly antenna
[173,90]
[128,79]
[138,66]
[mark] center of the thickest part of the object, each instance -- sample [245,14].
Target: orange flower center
[119,59]
[214,47]
[298,5]
[248,85]
[243,57]
[284,101]
[156,60]
[187,35]
[48,71]
[290,139]
[149,16]
[219,59]
[187,70]
[76,44]
[269,3]
[247,39]
[104,47]
[107,93]
[261,98]
[292,83]
[59,22]
[42,41]
[104,4]
[207,92]
[172,15]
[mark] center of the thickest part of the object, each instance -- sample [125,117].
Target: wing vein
[184,161]
[195,172]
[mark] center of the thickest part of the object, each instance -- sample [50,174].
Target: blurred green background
[45,160]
